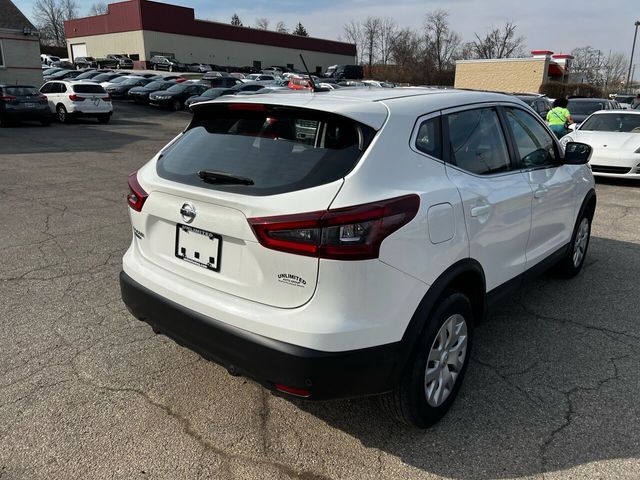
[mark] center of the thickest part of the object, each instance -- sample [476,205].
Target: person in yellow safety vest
[559,117]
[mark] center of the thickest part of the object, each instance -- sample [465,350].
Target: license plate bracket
[198,247]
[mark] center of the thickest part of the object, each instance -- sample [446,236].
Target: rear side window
[88,88]
[279,149]
[476,141]
[428,138]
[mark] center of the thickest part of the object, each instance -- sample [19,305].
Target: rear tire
[436,369]
[572,263]
[61,112]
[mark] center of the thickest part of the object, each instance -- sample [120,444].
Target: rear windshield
[279,149]
[609,122]
[583,107]
[178,87]
[88,88]
[105,77]
[21,91]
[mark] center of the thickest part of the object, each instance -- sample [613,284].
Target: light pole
[633,48]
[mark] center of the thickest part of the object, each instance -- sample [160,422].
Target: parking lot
[89,392]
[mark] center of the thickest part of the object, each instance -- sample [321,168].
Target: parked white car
[346,243]
[614,136]
[78,99]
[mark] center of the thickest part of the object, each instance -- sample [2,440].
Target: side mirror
[576,153]
[573,127]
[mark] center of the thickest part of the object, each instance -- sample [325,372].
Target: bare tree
[50,15]
[442,44]
[388,32]
[235,20]
[371,35]
[354,34]
[587,61]
[281,27]
[406,48]
[499,43]
[98,8]
[262,23]
[614,71]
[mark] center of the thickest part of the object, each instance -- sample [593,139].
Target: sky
[553,25]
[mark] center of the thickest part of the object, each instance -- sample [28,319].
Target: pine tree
[235,20]
[300,30]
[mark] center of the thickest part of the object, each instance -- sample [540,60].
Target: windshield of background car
[21,91]
[281,149]
[584,107]
[88,88]
[178,88]
[625,98]
[158,85]
[132,81]
[627,123]
[104,77]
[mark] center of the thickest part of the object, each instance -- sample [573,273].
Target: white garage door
[78,50]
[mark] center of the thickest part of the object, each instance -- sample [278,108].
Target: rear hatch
[92,97]
[23,98]
[238,161]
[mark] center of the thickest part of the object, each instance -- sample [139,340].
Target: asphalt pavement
[89,392]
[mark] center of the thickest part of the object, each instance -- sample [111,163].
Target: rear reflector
[137,195]
[298,392]
[251,107]
[352,233]
[7,97]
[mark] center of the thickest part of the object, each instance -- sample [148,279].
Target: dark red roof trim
[134,15]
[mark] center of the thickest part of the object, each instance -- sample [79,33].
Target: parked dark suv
[345,72]
[540,103]
[158,62]
[84,62]
[122,60]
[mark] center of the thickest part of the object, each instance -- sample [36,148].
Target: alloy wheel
[581,242]
[446,360]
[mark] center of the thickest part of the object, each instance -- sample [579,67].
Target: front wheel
[572,263]
[436,369]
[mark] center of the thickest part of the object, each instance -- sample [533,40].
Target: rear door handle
[540,192]
[481,210]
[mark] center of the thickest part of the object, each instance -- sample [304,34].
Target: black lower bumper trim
[325,375]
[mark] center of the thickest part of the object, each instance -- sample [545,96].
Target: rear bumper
[27,114]
[325,375]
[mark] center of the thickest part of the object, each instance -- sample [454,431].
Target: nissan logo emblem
[188,212]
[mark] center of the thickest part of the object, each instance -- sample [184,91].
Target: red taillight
[138,196]
[107,98]
[298,392]
[8,98]
[42,97]
[75,98]
[352,233]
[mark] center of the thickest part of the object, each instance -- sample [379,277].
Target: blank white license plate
[198,247]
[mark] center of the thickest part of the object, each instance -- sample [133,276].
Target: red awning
[555,70]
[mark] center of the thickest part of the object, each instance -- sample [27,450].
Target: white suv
[78,99]
[346,243]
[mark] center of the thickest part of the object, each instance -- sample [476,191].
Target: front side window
[1,55]
[476,142]
[534,144]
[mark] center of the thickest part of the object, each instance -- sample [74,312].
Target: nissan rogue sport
[347,243]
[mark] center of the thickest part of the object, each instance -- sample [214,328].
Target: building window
[290,66]
[134,57]
[318,69]
[1,55]
[257,64]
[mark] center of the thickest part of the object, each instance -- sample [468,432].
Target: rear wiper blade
[212,176]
